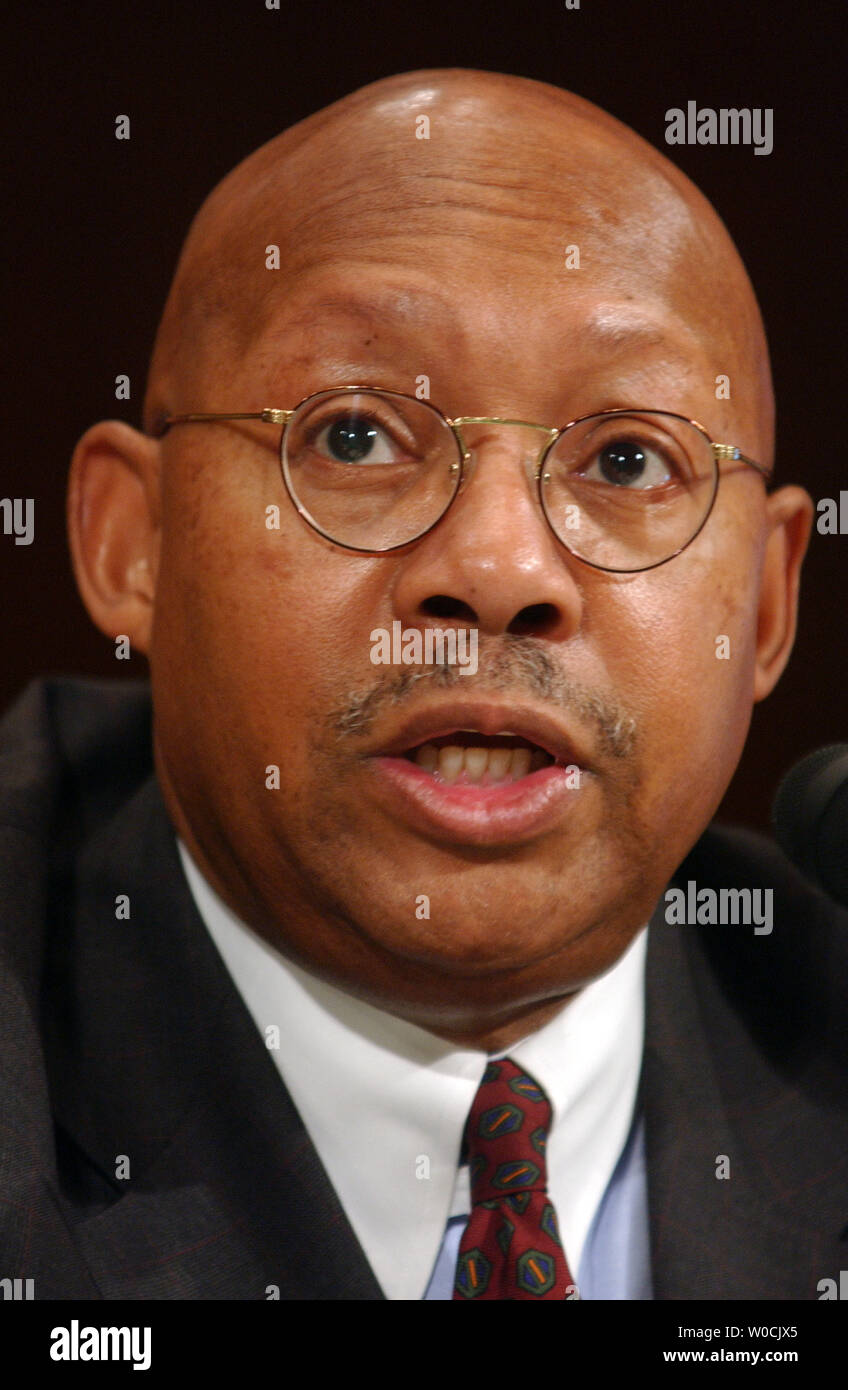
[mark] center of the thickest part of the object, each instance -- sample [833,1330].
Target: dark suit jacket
[128,1037]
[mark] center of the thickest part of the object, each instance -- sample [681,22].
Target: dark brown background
[96,225]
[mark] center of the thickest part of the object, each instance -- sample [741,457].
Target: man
[271,1012]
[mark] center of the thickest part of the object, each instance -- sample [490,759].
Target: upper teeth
[493,764]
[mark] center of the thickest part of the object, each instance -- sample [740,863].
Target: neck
[500,1036]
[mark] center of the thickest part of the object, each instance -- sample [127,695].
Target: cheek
[689,663]
[266,623]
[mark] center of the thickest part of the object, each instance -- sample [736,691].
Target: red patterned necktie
[511,1247]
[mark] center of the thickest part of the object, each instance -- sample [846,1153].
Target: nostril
[443,606]
[536,620]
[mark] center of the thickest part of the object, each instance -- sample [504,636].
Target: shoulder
[727,852]
[745,881]
[766,954]
[72,746]
[72,752]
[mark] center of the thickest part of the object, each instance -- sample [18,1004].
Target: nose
[493,562]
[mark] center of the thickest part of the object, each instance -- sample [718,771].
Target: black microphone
[810,817]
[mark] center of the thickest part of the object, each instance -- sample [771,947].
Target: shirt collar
[385,1102]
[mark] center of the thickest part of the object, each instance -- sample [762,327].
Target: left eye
[630,464]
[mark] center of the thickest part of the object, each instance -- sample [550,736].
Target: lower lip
[474,814]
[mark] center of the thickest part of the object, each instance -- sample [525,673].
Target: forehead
[509,228]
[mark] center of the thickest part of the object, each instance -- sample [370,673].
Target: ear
[114,528]
[790,514]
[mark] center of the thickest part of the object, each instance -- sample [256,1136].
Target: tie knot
[506,1136]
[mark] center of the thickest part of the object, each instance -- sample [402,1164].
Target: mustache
[520,665]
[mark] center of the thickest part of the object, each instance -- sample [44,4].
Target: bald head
[514,166]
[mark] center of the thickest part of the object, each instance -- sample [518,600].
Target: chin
[477,943]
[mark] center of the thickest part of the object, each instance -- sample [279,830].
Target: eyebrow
[379,309]
[611,329]
[622,334]
[614,331]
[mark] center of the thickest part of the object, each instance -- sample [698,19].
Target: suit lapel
[157,1066]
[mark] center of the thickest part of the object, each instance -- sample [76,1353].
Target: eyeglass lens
[374,470]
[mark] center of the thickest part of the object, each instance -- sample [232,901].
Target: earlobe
[790,519]
[114,527]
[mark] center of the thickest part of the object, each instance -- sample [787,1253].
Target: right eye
[356,438]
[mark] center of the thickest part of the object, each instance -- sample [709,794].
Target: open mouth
[479,773]
[476,759]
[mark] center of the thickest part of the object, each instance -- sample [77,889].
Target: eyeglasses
[373,471]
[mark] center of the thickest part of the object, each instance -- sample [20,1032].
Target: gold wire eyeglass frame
[271,415]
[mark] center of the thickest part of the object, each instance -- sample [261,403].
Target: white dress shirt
[385,1102]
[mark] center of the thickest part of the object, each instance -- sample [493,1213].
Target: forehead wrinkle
[373,217]
[528,175]
[428,192]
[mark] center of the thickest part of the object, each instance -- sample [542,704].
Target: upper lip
[485,718]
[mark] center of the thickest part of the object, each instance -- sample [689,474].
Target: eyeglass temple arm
[269,416]
[729,451]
